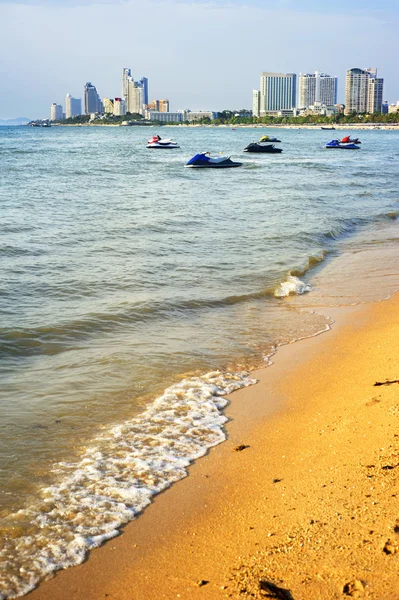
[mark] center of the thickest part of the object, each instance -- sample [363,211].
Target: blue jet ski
[338,144]
[203,160]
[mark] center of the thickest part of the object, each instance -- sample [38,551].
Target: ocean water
[135,294]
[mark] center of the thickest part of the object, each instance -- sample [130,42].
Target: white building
[119,107]
[317,88]
[126,75]
[135,102]
[364,91]
[73,106]
[256,103]
[165,117]
[192,116]
[56,113]
[318,108]
[376,90]
[277,92]
[135,93]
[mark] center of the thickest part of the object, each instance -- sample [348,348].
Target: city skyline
[36,38]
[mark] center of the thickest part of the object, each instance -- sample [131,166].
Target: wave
[292,286]
[114,481]
[312,261]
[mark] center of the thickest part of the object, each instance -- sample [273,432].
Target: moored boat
[204,160]
[262,148]
[157,142]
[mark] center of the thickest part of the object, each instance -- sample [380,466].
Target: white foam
[115,480]
[292,286]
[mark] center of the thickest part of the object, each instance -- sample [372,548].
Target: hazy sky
[202,54]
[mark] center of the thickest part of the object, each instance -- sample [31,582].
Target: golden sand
[306,509]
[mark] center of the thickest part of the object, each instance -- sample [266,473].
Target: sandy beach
[302,495]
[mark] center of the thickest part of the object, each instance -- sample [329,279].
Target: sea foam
[292,286]
[115,479]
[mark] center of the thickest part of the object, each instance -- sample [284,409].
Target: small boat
[338,144]
[348,140]
[259,147]
[268,138]
[157,142]
[328,128]
[204,160]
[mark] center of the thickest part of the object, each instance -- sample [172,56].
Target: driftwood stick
[386,382]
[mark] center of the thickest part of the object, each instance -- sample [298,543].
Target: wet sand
[303,495]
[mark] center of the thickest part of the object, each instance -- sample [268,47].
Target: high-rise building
[134,102]
[164,106]
[126,74]
[154,105]
[56,113]
[356,93]
[277,92]
[73,106]
[317,88]
[92,100]
[376,89]
[135,93]
[119,107]
[255,103]
[144,84]
[108,105]
[364,91]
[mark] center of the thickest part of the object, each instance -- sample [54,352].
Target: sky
[200,54]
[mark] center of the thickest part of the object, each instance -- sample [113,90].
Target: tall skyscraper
[56,112]
[376,90]
[144,84]
[134,103]
[126,74]
[135,93]
[92,100]
[73,106]
[277,92]
[317,87]
[364,91]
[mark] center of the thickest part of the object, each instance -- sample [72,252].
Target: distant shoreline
[371,127]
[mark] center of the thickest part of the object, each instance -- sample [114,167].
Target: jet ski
[343,146]
[259,147]
[157,142]
[204,160]
[348,140]
[268,138]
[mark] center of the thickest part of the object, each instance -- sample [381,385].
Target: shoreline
[272,510]
[352,126]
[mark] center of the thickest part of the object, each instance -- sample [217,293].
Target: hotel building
[277,92]
[364,91]
[56,113]
[317,88]
[73,106]
[135,93]
[92,100]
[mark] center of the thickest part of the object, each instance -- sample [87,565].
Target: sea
[136,294]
